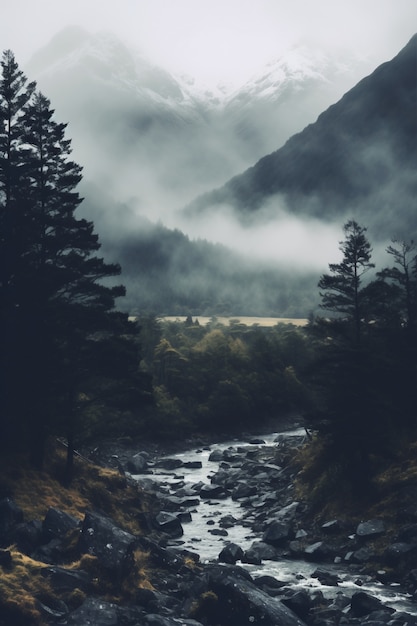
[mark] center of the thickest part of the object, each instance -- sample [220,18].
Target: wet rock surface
[235,588]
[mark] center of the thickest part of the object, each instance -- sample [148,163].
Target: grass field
[248,321]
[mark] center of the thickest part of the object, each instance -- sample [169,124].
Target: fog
[150,143]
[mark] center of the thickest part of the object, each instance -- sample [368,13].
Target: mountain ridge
[323,163]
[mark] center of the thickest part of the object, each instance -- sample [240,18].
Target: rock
[331,527]
[216,456]
[362,604]
[257,442]
[318,551]
[169,524]
[371,529]
[244,490]
[28,536]
[57,524]
[277,534]
[239,601]
[231,553]
[299,602]
[193,464]
[228,521]
[399,551]
[161,620]
[137,464]
[212,491]
[112,546]
[62,579]
[260,550]
[326,578]
[10,516]
[169,463]
[221,532]
[96,612]
[362,555]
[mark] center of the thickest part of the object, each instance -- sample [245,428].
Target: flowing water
[198,533]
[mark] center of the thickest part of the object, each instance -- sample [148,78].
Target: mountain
[157,140]
[358,159]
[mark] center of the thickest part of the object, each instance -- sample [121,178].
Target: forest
[75,365]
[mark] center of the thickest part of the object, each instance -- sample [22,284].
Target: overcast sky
[216,40]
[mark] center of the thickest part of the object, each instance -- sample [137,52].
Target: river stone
[239,601]
[228,521]
[213,491]
[326,578]
[137,464]
[371,528]
[277,534]
[169,464]
[317,551]
[231,553]
[169,524]
[299,602]
[362,604]
[260,550]
[216,456]
[244,490]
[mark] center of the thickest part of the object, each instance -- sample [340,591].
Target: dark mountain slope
[361,152]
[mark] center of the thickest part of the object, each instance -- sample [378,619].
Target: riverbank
[112,549]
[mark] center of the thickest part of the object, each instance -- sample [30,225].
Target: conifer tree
[54,299]
[342,288]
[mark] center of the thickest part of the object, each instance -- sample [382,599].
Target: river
[206,515]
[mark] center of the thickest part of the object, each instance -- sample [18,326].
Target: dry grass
[20,585]
[93,487]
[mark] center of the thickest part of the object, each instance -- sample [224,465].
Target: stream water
[199,536]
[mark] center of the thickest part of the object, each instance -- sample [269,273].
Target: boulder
[216,456]
[112,546]
[300,603]
[326,578]
[137,464]
[318,551]
[169,524]
[362,604]
[62,579]
[193,464]
[169,463]
[399,552]
[278,533]
[244,490]
[371,529]
[97,612]
[28,536]
[260,551]
[239,601]
[213,491]
[231,553]
[57,524]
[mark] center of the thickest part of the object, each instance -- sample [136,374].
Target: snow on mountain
[166,138]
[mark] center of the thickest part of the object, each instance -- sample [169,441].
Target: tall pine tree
[61,311]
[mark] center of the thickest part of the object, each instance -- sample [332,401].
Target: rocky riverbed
[229,544]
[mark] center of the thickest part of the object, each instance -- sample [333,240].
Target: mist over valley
[316,141]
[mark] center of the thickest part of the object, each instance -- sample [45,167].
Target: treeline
[219,378]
